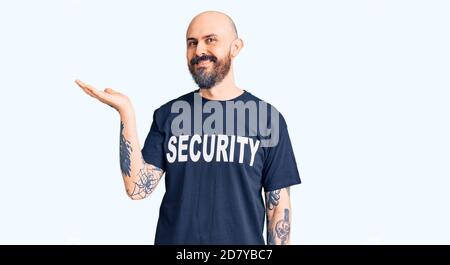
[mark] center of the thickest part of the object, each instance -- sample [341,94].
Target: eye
[210,40]
[191,43]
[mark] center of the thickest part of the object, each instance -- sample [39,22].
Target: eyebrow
[204,37]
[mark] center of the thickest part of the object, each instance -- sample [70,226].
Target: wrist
[126,113]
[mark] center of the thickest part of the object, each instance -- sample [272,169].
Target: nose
[200,50]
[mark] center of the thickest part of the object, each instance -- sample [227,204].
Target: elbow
[135,196]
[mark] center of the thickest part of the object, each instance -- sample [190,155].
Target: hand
[110,97]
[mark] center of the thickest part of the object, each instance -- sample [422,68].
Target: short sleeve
[280,167]
[153,151]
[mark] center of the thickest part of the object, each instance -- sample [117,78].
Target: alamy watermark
[251,114]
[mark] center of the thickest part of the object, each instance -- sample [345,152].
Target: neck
[224,90]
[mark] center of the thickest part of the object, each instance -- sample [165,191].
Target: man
[215,162]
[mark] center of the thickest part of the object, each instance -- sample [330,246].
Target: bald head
[211,45]
[213,21]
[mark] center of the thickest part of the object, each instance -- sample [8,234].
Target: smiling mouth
[203,63]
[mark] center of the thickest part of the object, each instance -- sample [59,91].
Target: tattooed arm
[139,177]
[278,207]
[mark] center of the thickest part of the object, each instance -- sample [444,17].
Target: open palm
[108,96]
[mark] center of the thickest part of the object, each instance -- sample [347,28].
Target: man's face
[208,51]
[208,70]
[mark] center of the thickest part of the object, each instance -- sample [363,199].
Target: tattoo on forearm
[278,232]
[283,228]
[148,178]
[270,234]
[273,198]
[125,151]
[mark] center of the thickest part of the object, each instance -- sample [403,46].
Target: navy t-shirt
[214,180]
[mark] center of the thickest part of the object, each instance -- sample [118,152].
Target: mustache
[204,57]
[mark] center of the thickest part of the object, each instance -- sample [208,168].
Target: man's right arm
[140,178]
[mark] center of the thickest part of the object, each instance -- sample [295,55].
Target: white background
[363,85]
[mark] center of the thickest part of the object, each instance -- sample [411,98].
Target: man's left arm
[278,210]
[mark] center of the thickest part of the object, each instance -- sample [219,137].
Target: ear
[236,47]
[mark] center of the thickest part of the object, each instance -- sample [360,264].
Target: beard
[207,79]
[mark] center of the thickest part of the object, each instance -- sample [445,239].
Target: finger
[101,95]
[110,91]
[84,85]
[90,88]
[80,83]
[87,88]
[88,92]
[96,93]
